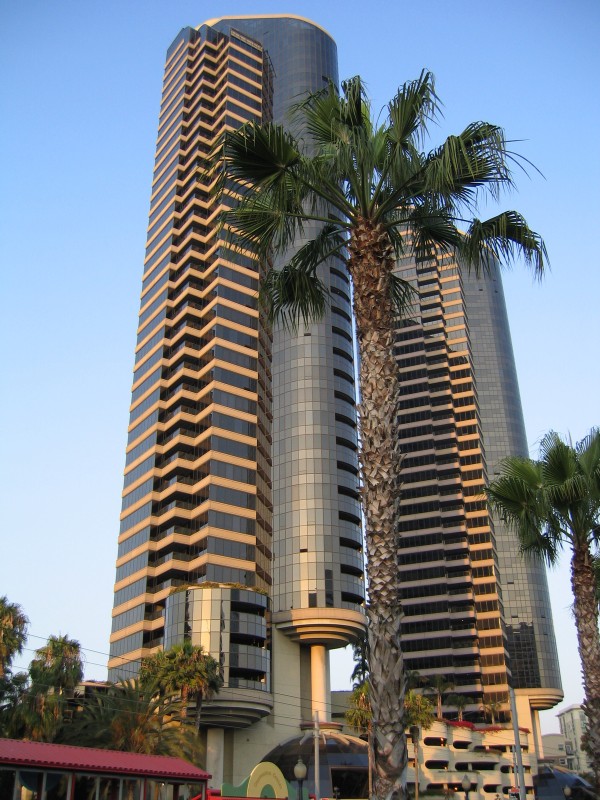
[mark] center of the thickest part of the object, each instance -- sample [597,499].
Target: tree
[418,714]
[438,686]
[491,709]
[367,193]
[360,654]
[13,633]
[460,702]
[54,672]
[551,503]
[419,710]
[359,715]
[184,668]
[13,689]
[57,665]
[132,718]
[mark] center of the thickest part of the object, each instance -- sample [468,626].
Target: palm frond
[588,451]
[296,293]
[463,164]
[320,115]
[259,154]
[355,106]
[260,223]
[402,294]
[434,232]
[503,238]
[414,106]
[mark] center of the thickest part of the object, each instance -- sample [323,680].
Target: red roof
[89,759]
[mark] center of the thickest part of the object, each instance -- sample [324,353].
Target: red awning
[42,755]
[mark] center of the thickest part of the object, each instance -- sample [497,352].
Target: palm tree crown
[371,194]
[184,668]
[13,632]
[57,665]
[130,717]
[551,503]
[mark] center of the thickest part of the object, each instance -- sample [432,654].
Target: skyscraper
[241,523]
[476,612]
[240,527]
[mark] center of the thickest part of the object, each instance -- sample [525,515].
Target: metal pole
[317,765]
[519,755]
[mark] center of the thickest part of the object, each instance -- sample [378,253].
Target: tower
[240,526]
[476,611]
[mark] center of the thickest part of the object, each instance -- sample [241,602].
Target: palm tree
[459,702]
[418,714]
[551,503]
[360,654]
[13,633]
[57,665]
[359,715]
[419,710]
[55,671]
[132,718]
[491,709]
[438,686]
[371,194]
[13,690]
[184,668]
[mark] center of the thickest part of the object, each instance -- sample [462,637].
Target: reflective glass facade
[197,499]
[241,464]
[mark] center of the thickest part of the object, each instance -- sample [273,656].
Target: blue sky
[79,99]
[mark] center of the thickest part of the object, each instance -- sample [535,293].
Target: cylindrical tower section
[318,573]
[230,624]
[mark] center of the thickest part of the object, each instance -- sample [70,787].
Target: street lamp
[466,785]
[300,775]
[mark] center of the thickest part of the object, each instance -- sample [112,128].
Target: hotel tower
[476,613]
[241,524]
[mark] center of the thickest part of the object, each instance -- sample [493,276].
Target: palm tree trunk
[588,639]
[370,265]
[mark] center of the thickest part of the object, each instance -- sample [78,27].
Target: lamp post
[466,785]
[300,775]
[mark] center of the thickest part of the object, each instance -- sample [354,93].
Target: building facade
[573,724]
[240,525]
[476,612]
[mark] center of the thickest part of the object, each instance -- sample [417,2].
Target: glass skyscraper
[476,612]
[241,522]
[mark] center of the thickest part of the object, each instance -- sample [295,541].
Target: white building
[573,725]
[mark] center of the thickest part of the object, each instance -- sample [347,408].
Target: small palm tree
[552,503]
[360,654]
[54,672]
[185,668]
[491,709]
[459,702]
[365,193]
[13,633]
[438,686]
[57,665]
[419,710]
